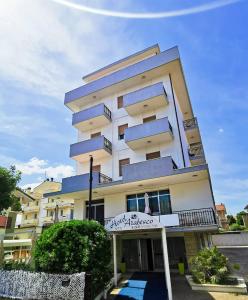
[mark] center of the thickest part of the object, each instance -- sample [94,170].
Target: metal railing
[107,145]
[196,151]
[191,218]
[196,217]
[104,178]
[107,112]
[190,123]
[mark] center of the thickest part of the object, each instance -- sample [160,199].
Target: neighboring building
[3,225]
[135,118]
[221,212]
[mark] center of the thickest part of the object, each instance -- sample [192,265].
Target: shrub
[209,266]
[75,246]
[16,265]
[236,227]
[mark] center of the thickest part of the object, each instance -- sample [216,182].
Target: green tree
[16,205]
[210,266]
[75,246]
[8,181]
[230,219]
[239,218]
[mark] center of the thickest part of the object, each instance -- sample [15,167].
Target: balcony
[99,147]
[196,154]
[93,117]
[81,182]
[50,205]
[48,220]
[153,133]
[200,218]
[30,209]
[143,100]
[125,78]
[192,130]
[148,169]
[30,222]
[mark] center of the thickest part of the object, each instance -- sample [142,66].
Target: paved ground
[132,288]
[182,291]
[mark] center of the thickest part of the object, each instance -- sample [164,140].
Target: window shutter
[123,162]
[153,155]
[120,102]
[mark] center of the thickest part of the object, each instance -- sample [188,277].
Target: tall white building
[135,118]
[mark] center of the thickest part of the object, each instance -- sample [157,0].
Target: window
[123,162]
[153,155]
[26,217]
[121,131]
[149,119]
[61,212]
[119,102]
[159,202]
[97,210]
[35,216]
[37,203]
[96,168]
[93,135]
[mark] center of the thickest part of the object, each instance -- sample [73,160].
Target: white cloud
[44,45]
[40,166]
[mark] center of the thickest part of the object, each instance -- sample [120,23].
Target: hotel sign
[132,221]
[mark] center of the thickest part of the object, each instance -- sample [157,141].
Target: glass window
[141,204]
[131,205]
[159,202]
[165,206]
[154,206]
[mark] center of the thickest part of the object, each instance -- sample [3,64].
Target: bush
[75,246]
[210,266]
[16,265]
[236,227]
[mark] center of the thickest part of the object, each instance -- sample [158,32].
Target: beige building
[221,212]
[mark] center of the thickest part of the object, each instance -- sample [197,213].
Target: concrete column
[166,264]
[115,259]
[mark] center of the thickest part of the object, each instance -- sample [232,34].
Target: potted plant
[181,266]
[123,265]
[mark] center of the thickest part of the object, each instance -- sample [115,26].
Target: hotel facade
[134,117]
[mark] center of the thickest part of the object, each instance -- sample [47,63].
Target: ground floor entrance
[146,254]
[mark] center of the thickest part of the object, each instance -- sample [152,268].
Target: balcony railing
[196,151]
[197,217]
[154,132]
[96,146]
[104,178]
[31,208]
[190,124]
[191,218]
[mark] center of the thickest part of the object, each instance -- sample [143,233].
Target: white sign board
[132,221]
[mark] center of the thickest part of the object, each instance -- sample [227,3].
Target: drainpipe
[90,188]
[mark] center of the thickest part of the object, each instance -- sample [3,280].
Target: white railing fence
[33,285]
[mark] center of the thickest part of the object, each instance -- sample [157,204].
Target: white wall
[110,167]
[184,196]
[191,195]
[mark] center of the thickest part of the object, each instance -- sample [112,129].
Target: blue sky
[46,48]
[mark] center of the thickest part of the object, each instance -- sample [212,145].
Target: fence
[31,285]
[230,239]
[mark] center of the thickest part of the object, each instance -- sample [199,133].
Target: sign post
[166,264]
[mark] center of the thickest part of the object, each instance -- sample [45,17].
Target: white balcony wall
[110,166]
